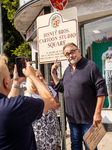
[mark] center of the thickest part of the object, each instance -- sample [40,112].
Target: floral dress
[46,129]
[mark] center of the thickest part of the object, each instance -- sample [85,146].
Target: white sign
[54,31]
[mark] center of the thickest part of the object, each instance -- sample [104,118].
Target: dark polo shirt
[81,89]
[16,116]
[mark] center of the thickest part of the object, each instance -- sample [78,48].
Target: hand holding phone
[20,62]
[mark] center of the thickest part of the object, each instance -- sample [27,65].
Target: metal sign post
[62,110]
[62,113]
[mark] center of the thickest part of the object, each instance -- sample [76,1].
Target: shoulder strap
[52,84]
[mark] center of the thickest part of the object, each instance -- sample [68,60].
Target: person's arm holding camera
[16,83]
[49,101]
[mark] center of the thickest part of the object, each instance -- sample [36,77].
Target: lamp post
[1,31]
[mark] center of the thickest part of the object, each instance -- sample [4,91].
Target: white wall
[86,7]
[22,2]
[106,115]
[33,45]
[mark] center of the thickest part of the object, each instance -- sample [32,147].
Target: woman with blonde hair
[46,129]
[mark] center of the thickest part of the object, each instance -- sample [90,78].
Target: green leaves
[14,44]
[23,50]
[11,6]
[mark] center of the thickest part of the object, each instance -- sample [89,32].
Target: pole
[62,109]
[62,114]
[1,31]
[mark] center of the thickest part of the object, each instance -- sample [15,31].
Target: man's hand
[54,68]
[97,115]
[16,79]
[97,119]
[53,72]
[29,71]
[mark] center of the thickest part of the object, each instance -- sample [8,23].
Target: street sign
[54,31]
[58,4]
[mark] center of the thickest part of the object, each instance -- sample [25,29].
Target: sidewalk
[105,143]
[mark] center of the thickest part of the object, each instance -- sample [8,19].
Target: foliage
[10,6]
[14,44]
[23,50]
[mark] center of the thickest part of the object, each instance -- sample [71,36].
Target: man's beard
[73,60]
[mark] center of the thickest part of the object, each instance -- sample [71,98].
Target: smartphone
[20,62]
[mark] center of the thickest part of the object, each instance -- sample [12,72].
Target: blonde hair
[3,71]
[3,68]
[4,58]
[30,85]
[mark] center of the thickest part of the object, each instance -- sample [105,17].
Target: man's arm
[49,101]
[97,115]
[17,81]
[45,95]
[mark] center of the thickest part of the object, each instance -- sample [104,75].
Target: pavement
[105,143]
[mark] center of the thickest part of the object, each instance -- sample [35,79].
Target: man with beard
[84,93]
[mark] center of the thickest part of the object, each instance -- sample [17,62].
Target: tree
[14,44]
[22,50]
[10,6]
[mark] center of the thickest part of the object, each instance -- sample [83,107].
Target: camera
[20,62]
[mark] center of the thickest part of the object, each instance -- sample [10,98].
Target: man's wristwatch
[16,86]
